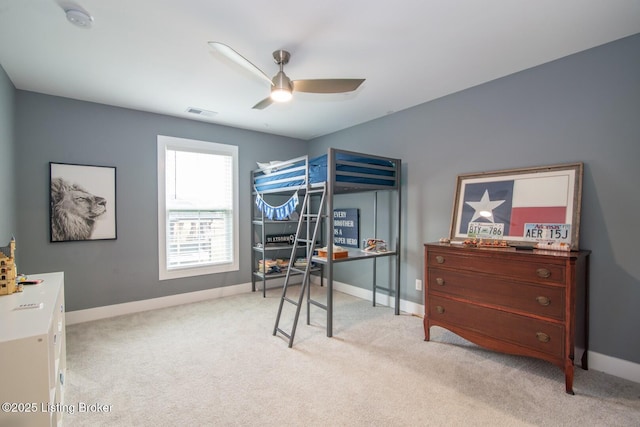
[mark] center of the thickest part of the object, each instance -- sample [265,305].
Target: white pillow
[267,167]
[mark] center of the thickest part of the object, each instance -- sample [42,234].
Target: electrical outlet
[418,285]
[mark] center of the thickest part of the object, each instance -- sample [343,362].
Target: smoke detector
[79,18]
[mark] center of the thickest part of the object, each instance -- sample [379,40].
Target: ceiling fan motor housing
[281,81]
[282,86]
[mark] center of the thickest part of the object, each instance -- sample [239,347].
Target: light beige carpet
[217,363]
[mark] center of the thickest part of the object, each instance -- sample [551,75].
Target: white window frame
[181,144]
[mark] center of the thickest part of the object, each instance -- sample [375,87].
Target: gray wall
[8,225]
[582,108]
[99,273]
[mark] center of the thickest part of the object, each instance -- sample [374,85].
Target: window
[197,207]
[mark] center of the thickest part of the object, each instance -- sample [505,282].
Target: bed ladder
[308,221]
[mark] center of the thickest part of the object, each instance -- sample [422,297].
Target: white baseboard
[614,366]
[104,312]
[597,361]
[80,316]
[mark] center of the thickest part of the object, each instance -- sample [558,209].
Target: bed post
[252,237]
[399,230]
[331,170]
[375,234]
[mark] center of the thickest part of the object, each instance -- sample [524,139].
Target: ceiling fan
[281,86]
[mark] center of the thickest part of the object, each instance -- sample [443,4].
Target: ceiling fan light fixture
[281,94]
[281,91]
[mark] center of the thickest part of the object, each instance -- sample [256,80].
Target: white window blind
[200,215]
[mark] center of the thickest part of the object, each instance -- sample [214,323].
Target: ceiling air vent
[200,112]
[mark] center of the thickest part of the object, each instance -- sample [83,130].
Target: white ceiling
[152,55]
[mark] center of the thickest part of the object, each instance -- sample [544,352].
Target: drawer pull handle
[440,259]
[542,337]
[543,300]
[543,272]
[439,309]
[440,281]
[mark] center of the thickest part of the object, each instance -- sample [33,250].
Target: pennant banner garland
[280,212]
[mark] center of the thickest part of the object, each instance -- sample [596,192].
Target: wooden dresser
[526,302]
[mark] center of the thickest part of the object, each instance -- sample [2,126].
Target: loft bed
[337,172]
[349,172]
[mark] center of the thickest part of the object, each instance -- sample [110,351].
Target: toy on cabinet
[8,283]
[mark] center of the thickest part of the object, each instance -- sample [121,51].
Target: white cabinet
[33,354]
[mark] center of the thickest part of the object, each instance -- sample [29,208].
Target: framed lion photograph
[82,202]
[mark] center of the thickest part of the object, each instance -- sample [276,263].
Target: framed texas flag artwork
[521,206]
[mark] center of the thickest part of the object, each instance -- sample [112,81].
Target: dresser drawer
[541,300]
[490,262]
[535,334]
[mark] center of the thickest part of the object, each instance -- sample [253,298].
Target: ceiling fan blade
[263,104]
[239,59]
[327,85]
